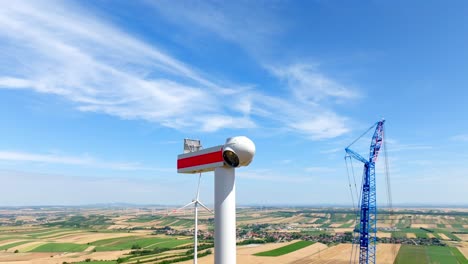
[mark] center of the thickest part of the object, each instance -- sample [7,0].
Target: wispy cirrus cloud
[304,103]
[59,48]
[84,160]
[310,120]
[250,24]
[309,85]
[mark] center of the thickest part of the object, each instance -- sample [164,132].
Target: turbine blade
[185,205]
[206,208]
[198,188]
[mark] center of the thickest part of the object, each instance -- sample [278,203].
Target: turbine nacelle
[238,151]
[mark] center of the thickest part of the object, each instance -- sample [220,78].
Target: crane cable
[389,191]
[363,134]
[352,199]
[349,180]
[354,249]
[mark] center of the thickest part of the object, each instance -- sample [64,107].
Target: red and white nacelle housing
[236,152]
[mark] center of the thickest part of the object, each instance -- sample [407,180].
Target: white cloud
[63,50]
[461,137]
[60,50]
[301,108]
[249,24]
[84,160]
[309,85]
[310,120]
[396,146]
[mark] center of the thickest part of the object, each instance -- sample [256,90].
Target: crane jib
[368,209]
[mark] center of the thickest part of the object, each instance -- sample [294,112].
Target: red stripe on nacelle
[203,159]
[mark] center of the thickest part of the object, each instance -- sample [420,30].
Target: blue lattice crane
[368,203]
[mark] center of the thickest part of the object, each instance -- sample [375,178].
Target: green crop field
[347,225]
[286,249]
[144,219]
[11,237]
[60,247]
[171,243]
[428,255]
[8,246]
[398,234]
[138,242]
[314,232]
[110,241]
[459,256]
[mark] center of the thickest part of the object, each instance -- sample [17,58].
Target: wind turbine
[196,202]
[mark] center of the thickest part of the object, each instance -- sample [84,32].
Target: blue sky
[96,97]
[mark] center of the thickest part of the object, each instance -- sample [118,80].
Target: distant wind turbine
[196,202]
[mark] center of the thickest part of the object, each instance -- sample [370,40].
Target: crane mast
[368,203]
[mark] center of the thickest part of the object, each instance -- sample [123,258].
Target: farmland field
[59,247]
[429,254]
[286,249]
[137,243]
[265,235]
[7,246]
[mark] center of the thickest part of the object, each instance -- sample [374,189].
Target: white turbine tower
[196,202]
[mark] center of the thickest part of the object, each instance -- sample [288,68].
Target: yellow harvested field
[386,253]
[59,234]
[104,255]
[321,215]
[11,257]
[313,220]
[261,220]
[317,253]
[410,235]
[463,237]
[293,219]
[443,236]
[25,218]
[113,227]
[464,251]
[10,241]
[383,225]
[429,235]
[342,230]
[45,258]
[84,238]
[89,249]
[384,235]
[340,254]
[26,247]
